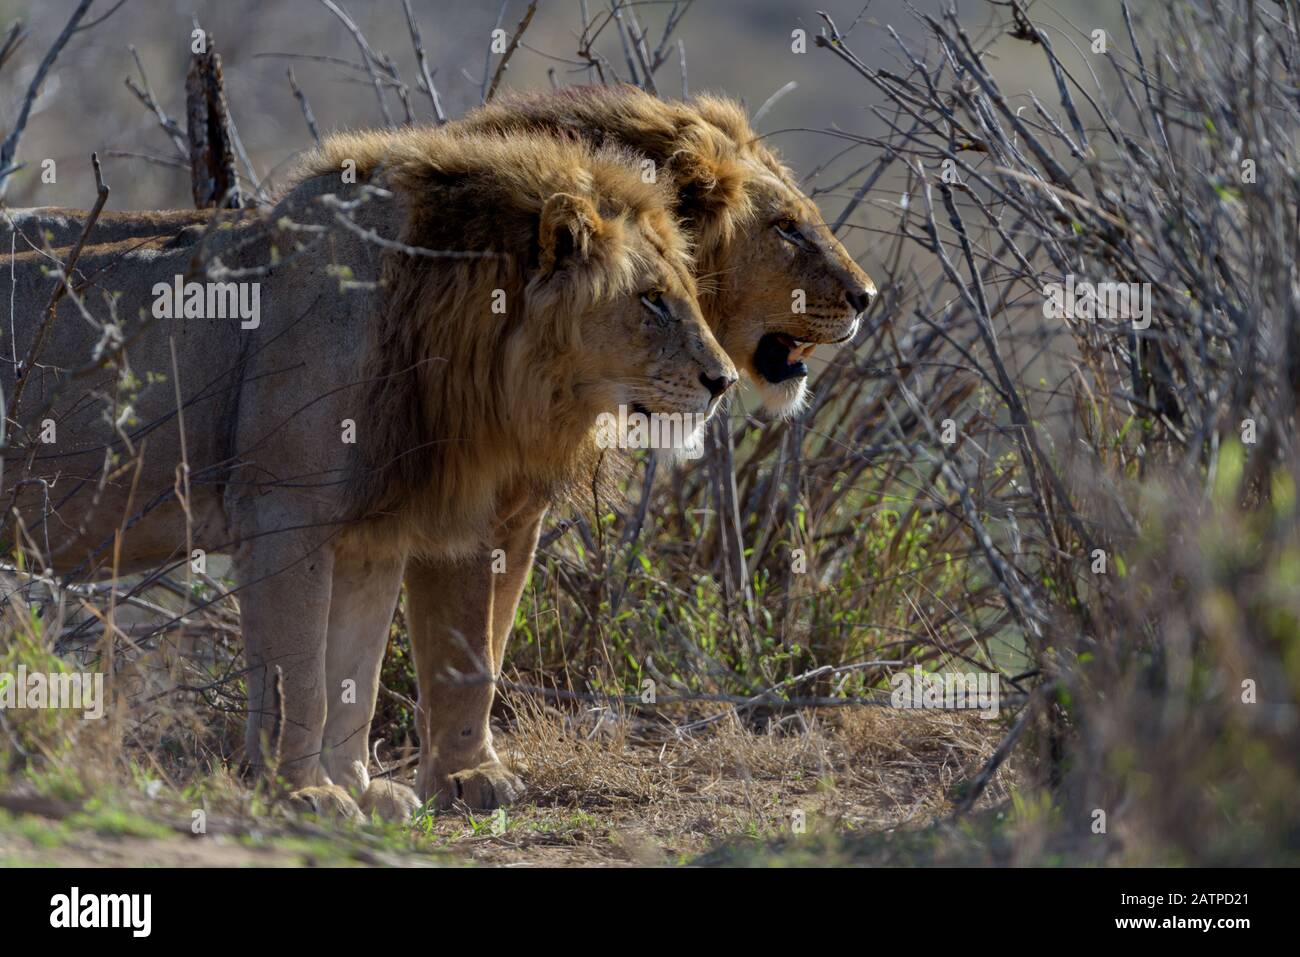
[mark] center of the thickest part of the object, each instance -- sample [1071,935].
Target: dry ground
[602,791]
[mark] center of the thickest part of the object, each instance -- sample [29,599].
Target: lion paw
[484,788]
[391,801]
[328,800]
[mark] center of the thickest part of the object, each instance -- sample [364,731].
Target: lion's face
[649,349]
[641,345]
[789,285]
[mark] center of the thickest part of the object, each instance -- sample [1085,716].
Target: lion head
[580,301]
[774,281]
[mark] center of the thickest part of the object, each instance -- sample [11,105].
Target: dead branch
[213,178]
[510,50]
[303,105]
[13,40]
[10,146]
[144,93]
[23,372]
[418,42]
[368,56]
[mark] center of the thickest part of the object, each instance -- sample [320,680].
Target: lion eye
[654,301]
[789,231]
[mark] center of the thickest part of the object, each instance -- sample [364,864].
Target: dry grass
[604,787]
[625,789]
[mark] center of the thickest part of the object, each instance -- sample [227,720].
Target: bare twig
[418,42]
[977,786]
[13,40]
[504,62]
[144,93]
[24,371]
[368,56]
[772,100]
[303,105]
[642,53]
[9,148]
[616,14]
[681,55]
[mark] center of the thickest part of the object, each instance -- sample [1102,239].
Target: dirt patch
[603,790]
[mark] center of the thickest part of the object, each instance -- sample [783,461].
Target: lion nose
[717,384]
[860,299]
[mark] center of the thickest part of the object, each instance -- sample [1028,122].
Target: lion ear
[707,186]
[569,225]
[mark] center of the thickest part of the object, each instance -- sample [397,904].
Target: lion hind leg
[284,607]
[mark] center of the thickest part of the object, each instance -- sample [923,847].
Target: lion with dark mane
[434,337]
[774,282]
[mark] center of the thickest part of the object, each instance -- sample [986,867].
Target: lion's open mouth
[780,357]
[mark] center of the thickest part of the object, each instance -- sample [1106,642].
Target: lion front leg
[362,599]
[518,539]
[449,609]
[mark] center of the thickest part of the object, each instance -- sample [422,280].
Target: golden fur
[732,193]
[451,444]
[732,190]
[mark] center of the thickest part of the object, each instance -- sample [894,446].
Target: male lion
[774,281]
[378,401]
[758,242]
